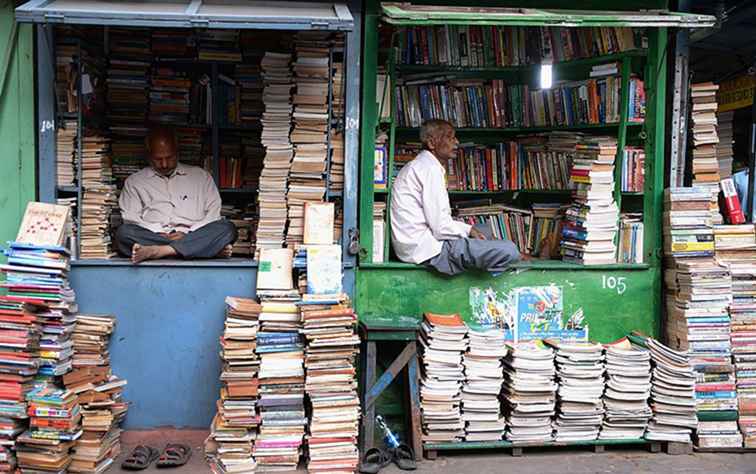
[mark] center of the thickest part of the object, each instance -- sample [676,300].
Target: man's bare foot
[225,252]
[141,253]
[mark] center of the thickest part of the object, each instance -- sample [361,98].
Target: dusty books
[65,153]
[97,203]
[628,387]
[580,371]
[725,147]
[443,339]
[234,427]
[481,408]
[688,222]
[529,392]
[704,134]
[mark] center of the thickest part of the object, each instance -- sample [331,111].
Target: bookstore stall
[262,95]
[561,121]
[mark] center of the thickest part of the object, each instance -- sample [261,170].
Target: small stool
[371,389]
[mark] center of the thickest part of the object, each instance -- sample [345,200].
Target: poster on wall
[492,309]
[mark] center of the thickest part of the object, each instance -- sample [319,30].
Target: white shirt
[420,211]
[184,201]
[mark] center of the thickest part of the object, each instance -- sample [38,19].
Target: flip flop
[404,457]
[174,455]
[140,458]
[374,460]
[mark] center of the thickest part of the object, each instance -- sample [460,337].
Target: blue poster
[492,309]
[539,312]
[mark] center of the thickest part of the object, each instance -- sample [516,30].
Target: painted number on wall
[352,123]
[613,283]
[46,125]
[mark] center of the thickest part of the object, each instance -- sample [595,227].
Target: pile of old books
[99,393]
[725,151]
[529,392]
[481,409]
[96,168]
[97,203]
[580,371]
[688,226]
[628,386]
[443,339]
[591,221]
[234,428]
[705,139]
[311,126]
[65,151]
[276,120]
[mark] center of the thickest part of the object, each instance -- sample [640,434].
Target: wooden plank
[390,374]
[367,427]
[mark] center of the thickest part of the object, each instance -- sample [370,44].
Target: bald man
[170,209]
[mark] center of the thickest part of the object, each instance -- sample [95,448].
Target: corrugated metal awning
[241,14]
[409,14]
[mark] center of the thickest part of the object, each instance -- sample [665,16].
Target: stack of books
[443,339]
[170,43]
[633,169]
[251,106]
[97,204]
[580,371]
[379,231]
[590,227]
[546,225]
[529,392]
[735,244]
[630,238]
[336,169]
[169,96]
[65,152]
[725,147]
[311,125]
[673,399]
[229,447]
[504,223]
[66,75]
[688,230]
[99,393]
[54,425]
[219,45]
[481,408]
[192,142]
[704,134]
[628,387]
[276,122]
[743,340]
[95,160]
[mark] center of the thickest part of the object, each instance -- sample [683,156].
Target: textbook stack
[590,226]
[481,408]
[580,371]
[229,447]
[530,392]
[628,386]
[276,121]
[99,393]
[310,134]
[443,339]
[704,135]
[65,149]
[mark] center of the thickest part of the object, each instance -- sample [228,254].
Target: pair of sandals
[173,455]
[376,459]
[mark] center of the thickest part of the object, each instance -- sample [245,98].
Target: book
[318,223]
[43,224]
[275,269]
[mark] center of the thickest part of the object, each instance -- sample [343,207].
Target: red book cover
[733,211]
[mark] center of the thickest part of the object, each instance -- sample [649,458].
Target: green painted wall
[17,130]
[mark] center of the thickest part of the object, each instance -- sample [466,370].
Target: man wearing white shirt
[422,229]
[170,209]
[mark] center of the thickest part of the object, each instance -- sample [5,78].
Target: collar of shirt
[428,155]
[180,170]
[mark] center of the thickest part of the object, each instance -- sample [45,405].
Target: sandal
[404,457]
[174,455]
[140,458]
[374,460]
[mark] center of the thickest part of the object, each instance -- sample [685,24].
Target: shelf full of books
[544,166]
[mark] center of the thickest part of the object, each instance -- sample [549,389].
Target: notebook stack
[54,426]
[725,151]
[97,204]
[229,447]
[99,392]
[276,123]
[443,339]
[673,399]
[580,372]
[529,392]
[484,377]
[310,134]
[169,96]
[704,135]
[590,226]
[65,150]
[628,387]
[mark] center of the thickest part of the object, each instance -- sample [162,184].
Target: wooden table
[399,330]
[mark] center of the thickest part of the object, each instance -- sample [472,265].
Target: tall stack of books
[99,393]
[633,169]
[66,75]
[55,424]
[704,135]
[65,150]
[580,371]
[529,392]
[169,96]
[673,399]
[590,226]
[276,121]
[336,169]
[503,222]
[219,45]
[97,204]
[229,447]
[481,408]
[688,227]
[95,160]
[311,125]
[628,387]
[170,43]
[725,151]
[630,238]
[251,105]
[443,339]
